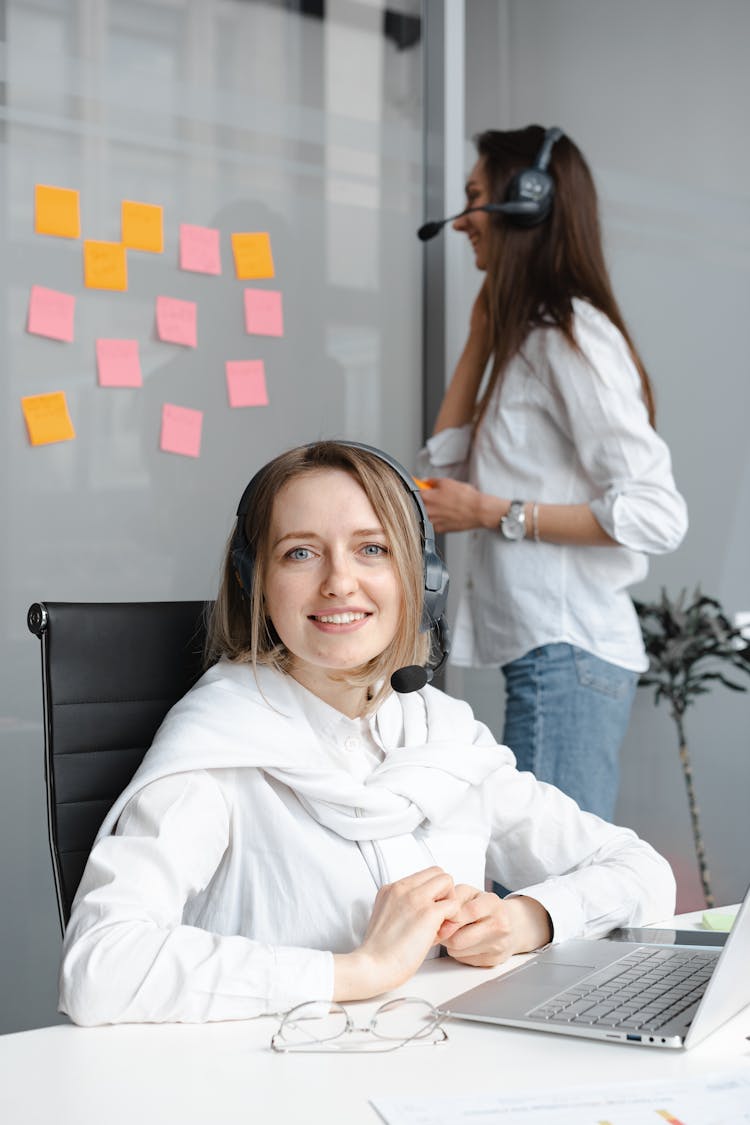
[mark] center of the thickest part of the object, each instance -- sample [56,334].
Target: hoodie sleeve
[128,957]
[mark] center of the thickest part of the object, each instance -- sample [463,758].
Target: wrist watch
[513,524]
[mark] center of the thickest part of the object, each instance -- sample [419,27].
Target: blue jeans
[565,718]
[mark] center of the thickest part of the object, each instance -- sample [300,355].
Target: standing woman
[553,464]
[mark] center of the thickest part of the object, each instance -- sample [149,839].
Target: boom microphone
[415,676]
[518,207]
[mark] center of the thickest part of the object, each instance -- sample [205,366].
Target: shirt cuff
[302,975]
[562,905]
[448,448]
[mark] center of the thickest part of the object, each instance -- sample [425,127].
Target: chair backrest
[110,673]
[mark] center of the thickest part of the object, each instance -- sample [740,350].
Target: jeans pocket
[600,675]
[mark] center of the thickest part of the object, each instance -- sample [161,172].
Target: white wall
[657,95]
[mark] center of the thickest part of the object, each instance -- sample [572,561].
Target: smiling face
[331,589]
[477,226]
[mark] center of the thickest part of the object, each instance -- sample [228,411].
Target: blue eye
[299,554]
[374,550]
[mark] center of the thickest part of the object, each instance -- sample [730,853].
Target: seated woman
[298,830]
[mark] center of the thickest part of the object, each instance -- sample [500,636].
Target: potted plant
[690,647]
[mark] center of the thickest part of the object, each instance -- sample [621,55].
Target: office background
[328,124]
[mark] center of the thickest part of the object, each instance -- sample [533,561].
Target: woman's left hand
[487,930]
[453,505]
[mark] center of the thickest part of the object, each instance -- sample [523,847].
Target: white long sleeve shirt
[222,890]
[562,427]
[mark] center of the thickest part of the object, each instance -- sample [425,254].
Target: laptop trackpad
[515,993]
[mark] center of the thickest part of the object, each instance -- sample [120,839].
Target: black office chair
[110,673]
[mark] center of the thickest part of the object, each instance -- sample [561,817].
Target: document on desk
[714,1099]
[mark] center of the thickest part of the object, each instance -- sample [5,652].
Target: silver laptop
[657,995]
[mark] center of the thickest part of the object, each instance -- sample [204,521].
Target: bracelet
[535,521]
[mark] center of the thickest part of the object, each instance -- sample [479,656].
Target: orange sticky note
[252,254]
[199,249]
[246,382]
[47,418]
[118,363]
[263,315]
[51,313]
[421,483]
[57,211]
[142,226]
[181,430]
[105,265]
[176,321]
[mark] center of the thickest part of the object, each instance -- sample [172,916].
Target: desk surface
[194,1074]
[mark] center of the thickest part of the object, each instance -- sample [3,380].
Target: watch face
[513,525]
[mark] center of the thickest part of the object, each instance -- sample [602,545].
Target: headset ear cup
[436,583]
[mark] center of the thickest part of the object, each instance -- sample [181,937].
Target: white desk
[217,1074]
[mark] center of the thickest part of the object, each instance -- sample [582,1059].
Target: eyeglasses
[322,1026]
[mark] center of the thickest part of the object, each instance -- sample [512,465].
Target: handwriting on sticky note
[263,313]
[252,254]
[57,211]
[246,382]
[199,249]
[177,321]
[118,363]
[181,430]
[142,226]
[47,418]
[105,265]
[51,313]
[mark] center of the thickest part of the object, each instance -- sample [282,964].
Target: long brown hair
[239,627]
[533,274]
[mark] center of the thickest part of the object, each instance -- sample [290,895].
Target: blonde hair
[239,627]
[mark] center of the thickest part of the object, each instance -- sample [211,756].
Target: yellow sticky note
[252,254]
[104,265]
[47,418]
[57,211]
[142,226]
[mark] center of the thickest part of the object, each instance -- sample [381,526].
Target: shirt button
[352,743]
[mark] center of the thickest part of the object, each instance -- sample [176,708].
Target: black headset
[528,199]
[434,570]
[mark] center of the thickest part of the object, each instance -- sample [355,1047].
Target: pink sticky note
[246,382]
[176,321]
[118,363]
[181,430]
[263,316]
[199,249]
[51,313]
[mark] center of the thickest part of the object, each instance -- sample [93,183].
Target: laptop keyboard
[642,991]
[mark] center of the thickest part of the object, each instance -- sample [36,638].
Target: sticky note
[246,382]
[263,315]
[252,254]
[181,430]
[176,321]
[142,226]
[199,249]
[57,211]
[118,363]
[421,483]
[718,920]
[47,418]
[104,265]
[51,313]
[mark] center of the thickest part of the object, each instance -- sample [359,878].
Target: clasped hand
[425,909]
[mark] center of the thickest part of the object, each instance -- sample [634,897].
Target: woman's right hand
[403,927]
